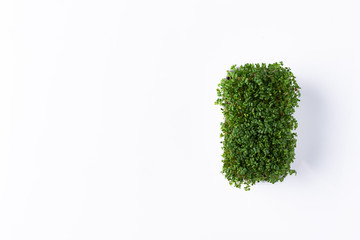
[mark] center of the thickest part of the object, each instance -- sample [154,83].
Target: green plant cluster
[258,102]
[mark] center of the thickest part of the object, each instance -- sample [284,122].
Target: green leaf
[258,102]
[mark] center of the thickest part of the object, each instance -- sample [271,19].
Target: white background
[108,128]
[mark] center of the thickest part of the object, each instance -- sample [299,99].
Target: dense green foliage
[258,102]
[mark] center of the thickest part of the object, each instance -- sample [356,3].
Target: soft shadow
[311,117]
